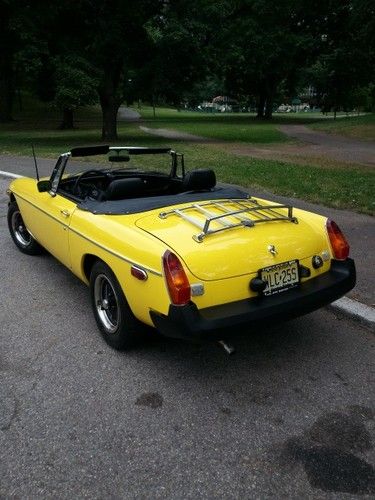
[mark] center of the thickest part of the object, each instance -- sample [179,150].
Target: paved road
[290,415]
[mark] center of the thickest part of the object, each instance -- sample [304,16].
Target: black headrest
[197,180]
[124,188]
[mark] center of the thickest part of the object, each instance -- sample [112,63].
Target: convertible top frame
[104,149]
[84,151]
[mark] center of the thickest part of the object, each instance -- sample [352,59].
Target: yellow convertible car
[168,248]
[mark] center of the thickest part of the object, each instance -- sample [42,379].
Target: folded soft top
[138,205]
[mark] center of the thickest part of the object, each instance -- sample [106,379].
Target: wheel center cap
[105,304]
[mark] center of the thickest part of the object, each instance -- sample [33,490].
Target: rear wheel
[18,230]
[116,322]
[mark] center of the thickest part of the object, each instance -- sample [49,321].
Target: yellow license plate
[280,277]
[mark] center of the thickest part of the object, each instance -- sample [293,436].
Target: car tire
[19,233]
[116,322]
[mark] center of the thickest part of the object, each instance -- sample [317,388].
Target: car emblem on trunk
[272,249]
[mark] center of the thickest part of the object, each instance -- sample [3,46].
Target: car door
[51,225]
[49,216]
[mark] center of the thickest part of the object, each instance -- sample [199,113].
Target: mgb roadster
[169,248]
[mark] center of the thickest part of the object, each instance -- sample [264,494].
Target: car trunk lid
[255,235]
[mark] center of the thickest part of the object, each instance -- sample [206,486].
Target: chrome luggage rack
[261,213]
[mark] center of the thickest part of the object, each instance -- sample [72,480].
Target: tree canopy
[78,52]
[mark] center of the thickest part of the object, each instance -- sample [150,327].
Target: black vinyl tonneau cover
[138,205]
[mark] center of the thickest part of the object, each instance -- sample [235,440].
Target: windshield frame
[177,160]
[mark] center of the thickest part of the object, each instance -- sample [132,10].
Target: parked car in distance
[169,248]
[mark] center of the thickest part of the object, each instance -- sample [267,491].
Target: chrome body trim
[115,254]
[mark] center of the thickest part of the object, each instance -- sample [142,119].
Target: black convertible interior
[105,185]
[132,189]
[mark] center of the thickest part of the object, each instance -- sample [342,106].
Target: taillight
[177,282]
[340,246]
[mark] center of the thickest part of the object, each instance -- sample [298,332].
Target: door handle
[65,213]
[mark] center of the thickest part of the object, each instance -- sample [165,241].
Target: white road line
[10,174]
[356,310]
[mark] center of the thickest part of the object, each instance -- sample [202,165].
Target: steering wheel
[81,176]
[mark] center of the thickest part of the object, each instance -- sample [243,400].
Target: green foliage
[344,69]
[181,52]
[264,43]
[74,83]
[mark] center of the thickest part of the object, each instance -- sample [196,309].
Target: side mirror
[44,186]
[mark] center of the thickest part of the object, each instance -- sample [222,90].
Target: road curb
[355,310]
[9,174]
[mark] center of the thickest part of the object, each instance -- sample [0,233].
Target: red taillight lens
[340,246]
[177,282]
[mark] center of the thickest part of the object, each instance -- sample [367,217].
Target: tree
[10,43]
[21,50]
[116,42]
[181,57]
[346,63]
[264,45]
[75,86]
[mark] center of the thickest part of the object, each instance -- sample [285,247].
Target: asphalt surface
[291,414]
[23,165]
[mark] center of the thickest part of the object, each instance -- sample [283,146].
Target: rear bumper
[189,322]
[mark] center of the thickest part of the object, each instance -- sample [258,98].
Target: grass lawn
[340,186]
[359,127]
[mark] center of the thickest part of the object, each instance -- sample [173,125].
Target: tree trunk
[67,120]
[110,103]
[153,106]
[260,106]
[269,107]
[269,91]
[6,98]
[109,127]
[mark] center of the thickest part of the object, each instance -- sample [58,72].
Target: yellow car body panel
[45,217]
[241,250]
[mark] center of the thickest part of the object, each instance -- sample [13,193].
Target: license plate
[280,277]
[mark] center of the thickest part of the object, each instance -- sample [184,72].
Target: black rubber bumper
[189,322]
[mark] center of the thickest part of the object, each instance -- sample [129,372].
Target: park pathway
[308,144]
[128,114]
[175,134]
[335,146]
